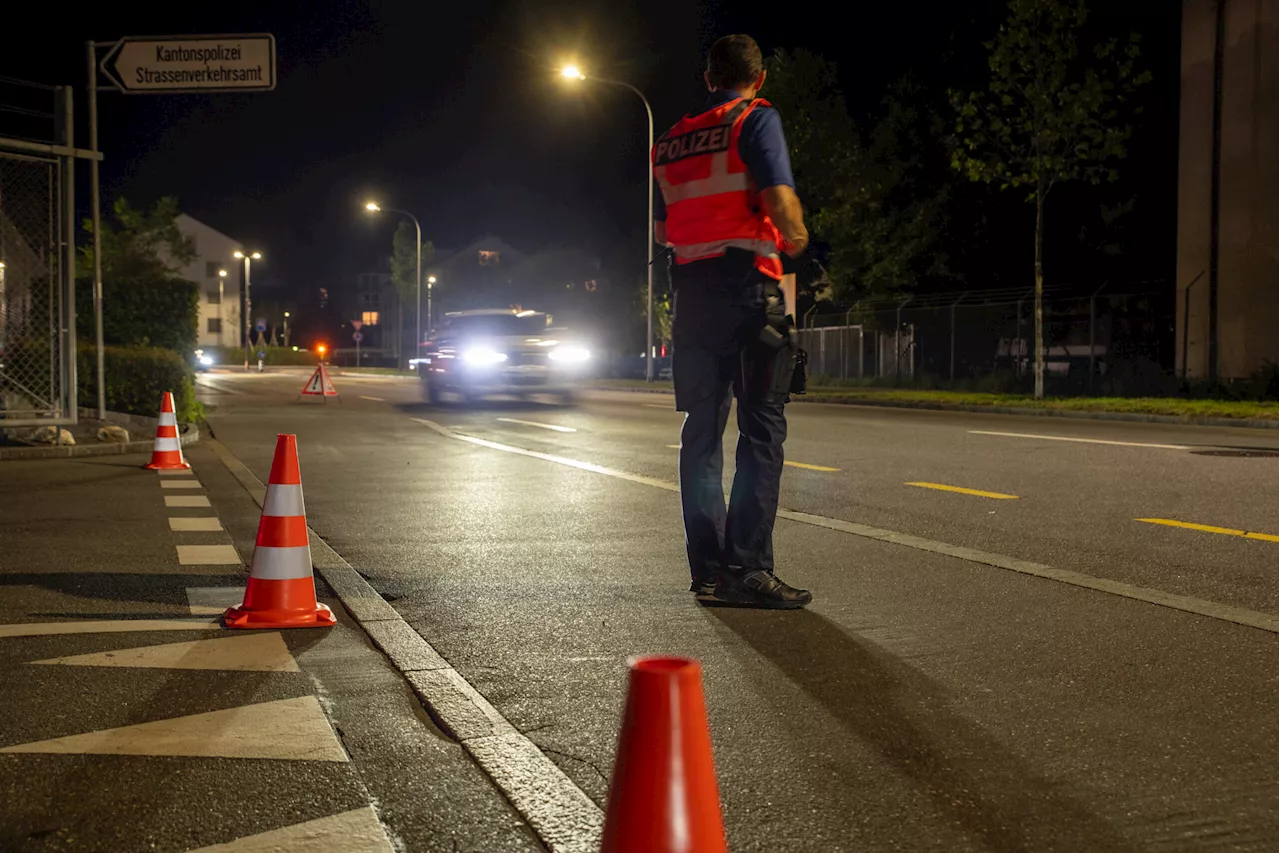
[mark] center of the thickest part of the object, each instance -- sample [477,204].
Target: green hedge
[137,377]
[144,312]
[231,356]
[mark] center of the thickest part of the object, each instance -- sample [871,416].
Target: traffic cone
[663,797]
[281,592]
[166,455]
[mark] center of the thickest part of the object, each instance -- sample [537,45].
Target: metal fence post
[95,211]
[67,163]
[897,345]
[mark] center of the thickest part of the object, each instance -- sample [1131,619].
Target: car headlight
[483,356]
[569,353]
[206,360]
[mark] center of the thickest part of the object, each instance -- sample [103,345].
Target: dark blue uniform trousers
[719,308]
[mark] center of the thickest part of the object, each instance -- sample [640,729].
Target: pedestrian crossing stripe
[286,729]
[356,830]
[247,653]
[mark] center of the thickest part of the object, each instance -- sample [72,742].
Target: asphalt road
[925,701]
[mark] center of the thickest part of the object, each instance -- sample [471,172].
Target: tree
[1049,115]
[145,299]
[404,270]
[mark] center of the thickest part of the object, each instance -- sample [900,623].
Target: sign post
[139,65]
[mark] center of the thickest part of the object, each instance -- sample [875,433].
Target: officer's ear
[760,81]
[706,78]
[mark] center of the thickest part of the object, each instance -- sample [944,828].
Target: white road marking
[374,399]
[1080,440]
[353,830]
[554,427]
[178,472]
[208,555]
[670,409]
[286,729]
[195,525]
[1212,609]
[243,653]
[107,626]
[172,501]
[180,484]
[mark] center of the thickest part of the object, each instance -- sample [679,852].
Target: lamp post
[374,207]
[248,309]
[573,72]
[222,280]
[286,328]
[431,280]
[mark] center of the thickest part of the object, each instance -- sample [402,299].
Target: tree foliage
[404,261]
[145,299]
[1049,114]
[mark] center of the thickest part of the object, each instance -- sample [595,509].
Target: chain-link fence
[35,362]
[1114,339]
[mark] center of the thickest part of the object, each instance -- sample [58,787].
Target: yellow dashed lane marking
[1209,528]
[975,492]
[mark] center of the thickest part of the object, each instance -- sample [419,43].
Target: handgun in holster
[773,363]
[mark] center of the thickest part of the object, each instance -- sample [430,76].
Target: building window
[368,300]
[324,297]
[215,297]
[210,269]
[214,325]
[369,318]
[488,256]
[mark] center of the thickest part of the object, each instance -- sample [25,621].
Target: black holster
[773,364]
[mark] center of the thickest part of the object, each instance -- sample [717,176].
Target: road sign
[201,63]
[356,324]
[357,337]
[261,325]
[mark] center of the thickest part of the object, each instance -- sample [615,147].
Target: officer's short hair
[734,61]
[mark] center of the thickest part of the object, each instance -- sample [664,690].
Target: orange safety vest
[712,202]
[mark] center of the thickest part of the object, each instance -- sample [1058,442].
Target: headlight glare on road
[569,353]
[482,356]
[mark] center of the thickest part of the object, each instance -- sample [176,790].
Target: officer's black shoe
[760,588]
[704,589]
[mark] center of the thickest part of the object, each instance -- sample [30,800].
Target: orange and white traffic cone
[166,455]
[281,592]
[663,797]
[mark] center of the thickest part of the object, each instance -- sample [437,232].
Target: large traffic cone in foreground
[281,592]
[663,797]
[166,454]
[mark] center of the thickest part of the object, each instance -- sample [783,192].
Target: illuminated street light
[374,207]
[222,280]
[431,280]
[573,72]
[248,322]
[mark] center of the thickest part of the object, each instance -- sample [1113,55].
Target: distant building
[220,295]
[478,275]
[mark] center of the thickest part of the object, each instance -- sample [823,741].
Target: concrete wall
[1247,262]
[215,251]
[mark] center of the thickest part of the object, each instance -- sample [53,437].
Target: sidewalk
[133,721]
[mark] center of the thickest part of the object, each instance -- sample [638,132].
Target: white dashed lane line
[555,427]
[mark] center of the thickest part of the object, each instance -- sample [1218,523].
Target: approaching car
[486,352]
[203,361]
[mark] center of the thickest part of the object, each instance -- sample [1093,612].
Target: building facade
[1227,177]
[219,275]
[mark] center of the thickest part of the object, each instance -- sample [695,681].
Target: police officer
[729,211]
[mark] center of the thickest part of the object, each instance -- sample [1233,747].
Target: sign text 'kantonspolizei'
[227,63]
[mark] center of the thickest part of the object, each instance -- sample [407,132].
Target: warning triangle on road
[357,830]
[286,729]
[319,385]
[248,653]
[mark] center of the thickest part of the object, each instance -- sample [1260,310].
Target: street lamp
[574,73]
[248,311]
[286,328]
[374,207]
[431,280]
[222,280]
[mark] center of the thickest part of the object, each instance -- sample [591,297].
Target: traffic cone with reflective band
[281,592]
[166,454]
[663,797]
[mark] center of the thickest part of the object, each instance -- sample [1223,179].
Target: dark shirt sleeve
[764,149]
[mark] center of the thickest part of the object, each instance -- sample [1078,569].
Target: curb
[563,817]
[1135,417]
[189,435]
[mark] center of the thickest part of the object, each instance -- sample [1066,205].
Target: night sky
[454,111]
